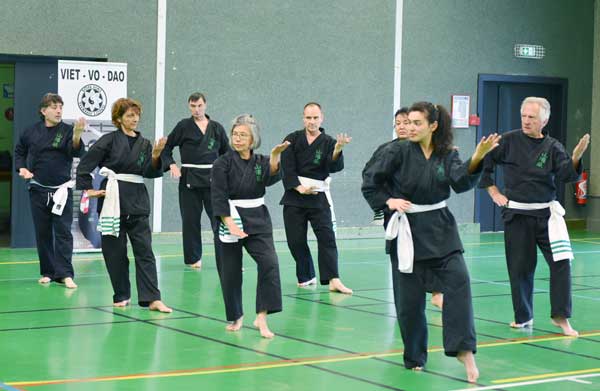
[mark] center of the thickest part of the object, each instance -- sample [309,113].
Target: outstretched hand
[280,148]
[159,145]
[342,140]
[487,144]
[581,147]
[79,127]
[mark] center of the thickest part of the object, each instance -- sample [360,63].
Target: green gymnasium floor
[52,338]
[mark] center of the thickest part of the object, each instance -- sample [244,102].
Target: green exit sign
[529,51]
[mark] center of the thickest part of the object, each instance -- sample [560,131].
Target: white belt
[224,235]
[558,234]
[109,222]
[321,187]
[60,197]
[399,227]
[188,165]
[253,203]
[131,178]
[47,187]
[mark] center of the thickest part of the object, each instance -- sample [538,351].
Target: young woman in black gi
[420,174]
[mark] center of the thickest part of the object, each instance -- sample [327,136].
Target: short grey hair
[250,122]
[542,103]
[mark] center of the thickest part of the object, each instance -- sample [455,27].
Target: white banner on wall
[89,90]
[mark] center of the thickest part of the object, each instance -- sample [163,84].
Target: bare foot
[335,285]
[197,265]
[564,324]
[261,324]
[312,281]
[437,299]
[416,369]
[523,325]
[69,283]
[45,280]
[123,303]
[235,325]
[468,359]
[159,306]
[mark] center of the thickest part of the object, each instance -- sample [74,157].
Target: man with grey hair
[532,216]
[201,141]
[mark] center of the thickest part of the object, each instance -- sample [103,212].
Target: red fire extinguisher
[581,189]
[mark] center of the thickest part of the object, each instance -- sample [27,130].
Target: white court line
[580,381]
[534,289]
[528,383]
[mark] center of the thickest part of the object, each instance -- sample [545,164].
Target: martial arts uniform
[199,150]
[404,172]
[126,155]
[530,168]
[314,161]
[48,153]
[235,179]
[431,283]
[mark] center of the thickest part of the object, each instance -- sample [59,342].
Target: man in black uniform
[44,156]
[532,217]
[306,166]
[200,141]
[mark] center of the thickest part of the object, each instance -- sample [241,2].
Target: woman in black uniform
[238,183]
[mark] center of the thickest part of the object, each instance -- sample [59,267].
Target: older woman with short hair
[238,183]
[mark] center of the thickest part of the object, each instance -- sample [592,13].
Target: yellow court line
[545,376]
[288,363]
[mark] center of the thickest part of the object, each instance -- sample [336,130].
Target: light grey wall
[446,44]
[118,30]
[269,58]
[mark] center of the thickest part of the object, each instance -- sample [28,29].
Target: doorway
[499,104]
[7,88]
[33,76]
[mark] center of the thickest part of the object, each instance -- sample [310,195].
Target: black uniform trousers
[457,312]
[296,220]
[268,286]
[52,234]
[521,235]
[114,250]
[191,203]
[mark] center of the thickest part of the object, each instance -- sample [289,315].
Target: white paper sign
[89,89]
[460,111]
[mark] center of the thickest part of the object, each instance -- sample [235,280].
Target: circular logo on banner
[92,100]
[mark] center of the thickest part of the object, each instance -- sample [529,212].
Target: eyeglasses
[242,136]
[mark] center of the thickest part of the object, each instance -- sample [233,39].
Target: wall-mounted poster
[89,90]
[460,111]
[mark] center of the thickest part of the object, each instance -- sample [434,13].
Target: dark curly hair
[442,138]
